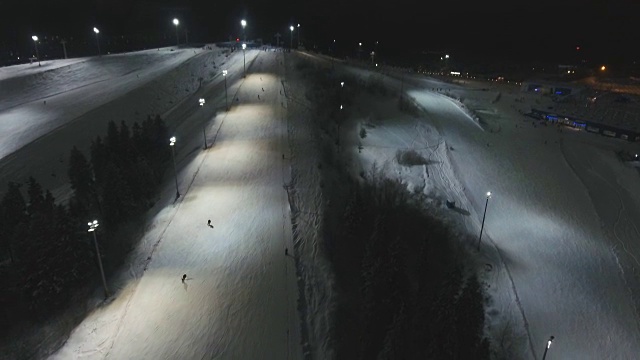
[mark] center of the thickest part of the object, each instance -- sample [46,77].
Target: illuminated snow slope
[239,299]
[561,248]
[561,236]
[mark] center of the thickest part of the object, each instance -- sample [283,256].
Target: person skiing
[184,277]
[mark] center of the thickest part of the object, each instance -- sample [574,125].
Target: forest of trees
[46,252]
[403,291]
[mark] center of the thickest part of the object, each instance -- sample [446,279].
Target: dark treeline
[404,293]
[46,253]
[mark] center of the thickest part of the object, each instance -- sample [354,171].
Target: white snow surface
[559,253]
[239,299]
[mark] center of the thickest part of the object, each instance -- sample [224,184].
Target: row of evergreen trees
[45,250]
[404,293]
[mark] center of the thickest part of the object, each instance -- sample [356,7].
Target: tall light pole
[176,22]
[244,58]
[291,28]
[299,32]
[95,30]
[483,216]
[226,96]
[172,143]
[92,229]
[204,127]
[544,356]
[35,42]
[243,22]
[64,47]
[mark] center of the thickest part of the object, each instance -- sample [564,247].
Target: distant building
[550,87]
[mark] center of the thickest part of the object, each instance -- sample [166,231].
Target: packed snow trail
[545,223]
[239,298]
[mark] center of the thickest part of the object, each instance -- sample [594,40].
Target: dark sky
[605,30]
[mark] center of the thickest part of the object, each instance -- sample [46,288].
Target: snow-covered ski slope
[561,234]
[239,299]
[46,110]
[561,247]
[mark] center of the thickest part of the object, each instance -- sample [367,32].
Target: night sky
[514,30]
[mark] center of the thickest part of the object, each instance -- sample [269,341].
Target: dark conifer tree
[470,322]
[99,160]
[81,178]
[13,215]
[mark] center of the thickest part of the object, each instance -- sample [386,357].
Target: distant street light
[291,28]
[244,57]
[603,68]
[176,22]
[92,229]
[226,96]
[204,127]
[35,42]
[244,24]
[446,56]
[299,34]
[172,143]
[95,30]
[483,216]
[342,84]
[544,356]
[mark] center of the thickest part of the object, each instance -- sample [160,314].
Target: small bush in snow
[410,158]
[363,133]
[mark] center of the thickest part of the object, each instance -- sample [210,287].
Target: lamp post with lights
[95,30]
[244,59]
[226,95]
[93,225]
[483,217]
[204,127]
[176,22]
[172,143]
[544,356]
[291,37]
[35,42]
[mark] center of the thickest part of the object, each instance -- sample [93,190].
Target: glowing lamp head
[603,68]
[224,72]
[35,38]
[342,83]
[172,141]
[95,30]
[201,101]
[488,194]
[243,23]
[176,22]
[93,225]
[291,27]
[244,46]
